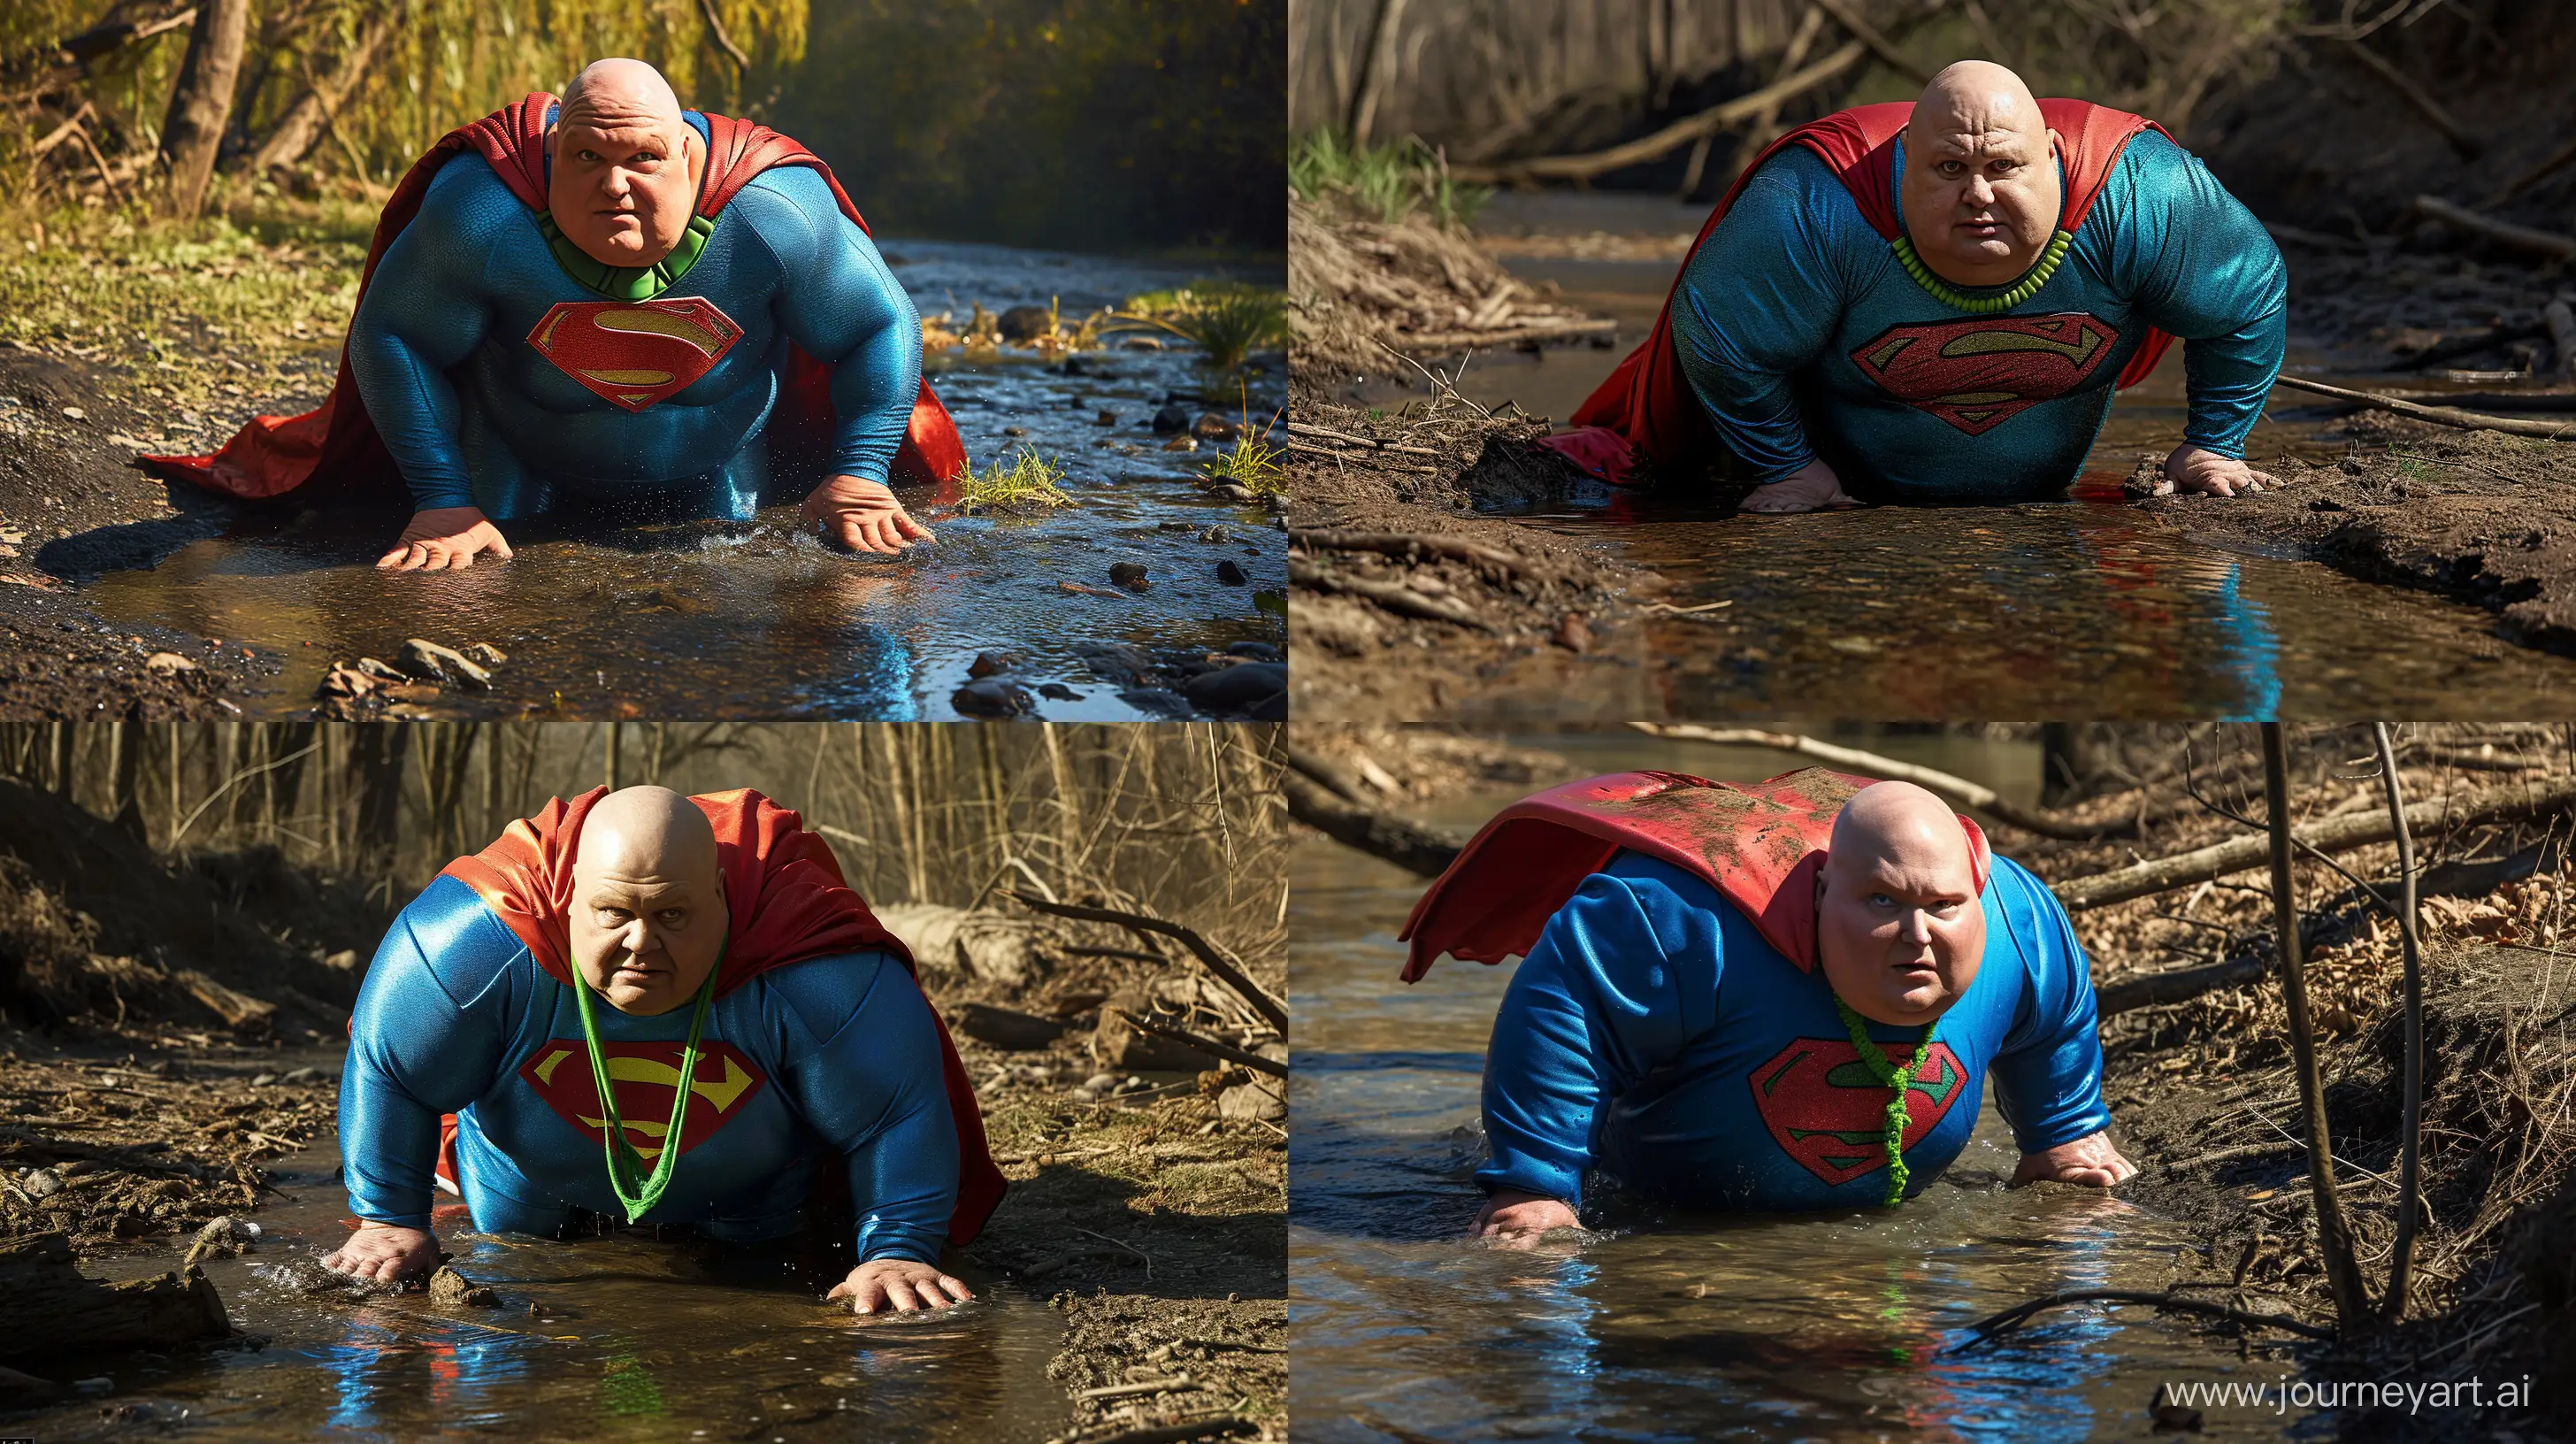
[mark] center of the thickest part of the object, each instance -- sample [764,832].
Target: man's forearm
[414,409]
[389,1147]
[2226,379]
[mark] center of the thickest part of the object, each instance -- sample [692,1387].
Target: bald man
[612,298]
[606,949]
[1932,303]
[1703,962]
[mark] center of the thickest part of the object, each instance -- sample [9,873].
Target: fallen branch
[1308,428]
[2333,834]
[1676,135]
[2425,105]
[1223,1426]
[2447,416]
[1429,342]
[2503,233]
[1408,845]
[1393,596]
[1205,1044]
[1402,543]
[1958,789]
[2553,161]
[2410,1142]
[1867,34]
[2334,1235]
[1987,1329]
[2178,985]
[1272,1011]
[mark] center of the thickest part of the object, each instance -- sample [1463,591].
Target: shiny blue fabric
[453,1005]
[1630,1037]
[474,416]
[1793,281]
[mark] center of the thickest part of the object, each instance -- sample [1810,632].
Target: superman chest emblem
[634,353]
[646,1077]
[1979,373]
[1825,1110]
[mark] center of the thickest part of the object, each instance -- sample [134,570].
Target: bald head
[648,906]
[1899,930]
[627,165]
[1980,191]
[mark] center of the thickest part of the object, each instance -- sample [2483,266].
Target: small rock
[75,413]
[414,692]
[1075,366]
[992,697]
[263,1080]
[1212,427]
[1057,691]
[167,664]
[1083,1095]
[1232,575]
[1232,491]
[381,671]
[1182,443]
[1078,589]
[1172,418]
[988,663]
[102,1384]
[1130,575]
[1143,343]
[1257,651]
[1023,431]
[487,654]
[1101,1082]
[1251,1101]
[1121,662]
[1156,700]
[41,1183]
[1216,536]
[1238,688]
[1176,526]
[449,1287]
[345,682]
[345,960]
[1110,418]
[1574,634]
[433,662]
[298,1075]
[1022,324]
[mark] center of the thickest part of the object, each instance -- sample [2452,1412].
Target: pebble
[263,1080]
[1257,651]
[433,662]
[992,697]
[1230,574]
[1172,418]
[75,413]
[1023,431]
[298,1075]
[487,654]
[1212,427]
[1110,418]
[1130,575]
[1101,1082]
[1156,700]
[1574,634]
[1024,323]
[1059,692]
[1232,491]
[1239,688]
[41,1183]
[988,663]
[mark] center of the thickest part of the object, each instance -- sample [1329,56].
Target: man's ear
[695,152]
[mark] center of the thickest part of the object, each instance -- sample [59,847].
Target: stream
[1676,1327]
[2088,606]
[608,616]
[607,1338]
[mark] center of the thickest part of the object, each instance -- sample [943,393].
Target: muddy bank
[2473,515]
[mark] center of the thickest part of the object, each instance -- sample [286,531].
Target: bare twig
[1205,1044]
[1987,1329]
[1308,428]
[2466,144]
[2547,243]
[1402,543]
[1959,790]
[1679,133]
[1227,971]
[2410,1144]
[1390,595]
[1867,34]
[2334,1237]
[724,42]
[1407,844]
[2447,416]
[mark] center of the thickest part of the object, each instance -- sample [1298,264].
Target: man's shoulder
[789,192]
[468,199]
[457,938]
[822,993]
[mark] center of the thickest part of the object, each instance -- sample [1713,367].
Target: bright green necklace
[627,283]
[624,1163]
[1949,295]
[1872,1058]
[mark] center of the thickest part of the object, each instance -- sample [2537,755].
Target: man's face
[645,940]
[1980,202]
[624,191]
[1900,933]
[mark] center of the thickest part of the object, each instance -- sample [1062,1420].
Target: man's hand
[2192,469]
[863,516]
[899,1284]
[1515,1219]
[444,537]
[385,1253]
[1812,487]
[2091,1161]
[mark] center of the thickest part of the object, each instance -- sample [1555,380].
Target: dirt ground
[1150,1207]
[2199,1087]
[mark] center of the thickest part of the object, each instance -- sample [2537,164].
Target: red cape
[337,445]
[1646,407]
[1758,844]
[788,903]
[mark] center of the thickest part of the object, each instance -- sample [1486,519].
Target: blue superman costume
[819,1053]
[1796,330]
[1670,1027]
[491,364]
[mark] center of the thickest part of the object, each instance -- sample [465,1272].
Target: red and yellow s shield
[647,1079]
[1826,1110]
[634,353]
[1979,373]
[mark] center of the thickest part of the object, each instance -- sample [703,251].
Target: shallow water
[757,620]
[1679,1327]
[2087,606]
[628,1339]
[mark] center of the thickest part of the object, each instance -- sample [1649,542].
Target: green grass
[1020,481]
[1384,182]
[1252,465]
[1229,319]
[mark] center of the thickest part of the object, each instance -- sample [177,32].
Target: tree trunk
[381,751]
[202,103]
[313,111]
